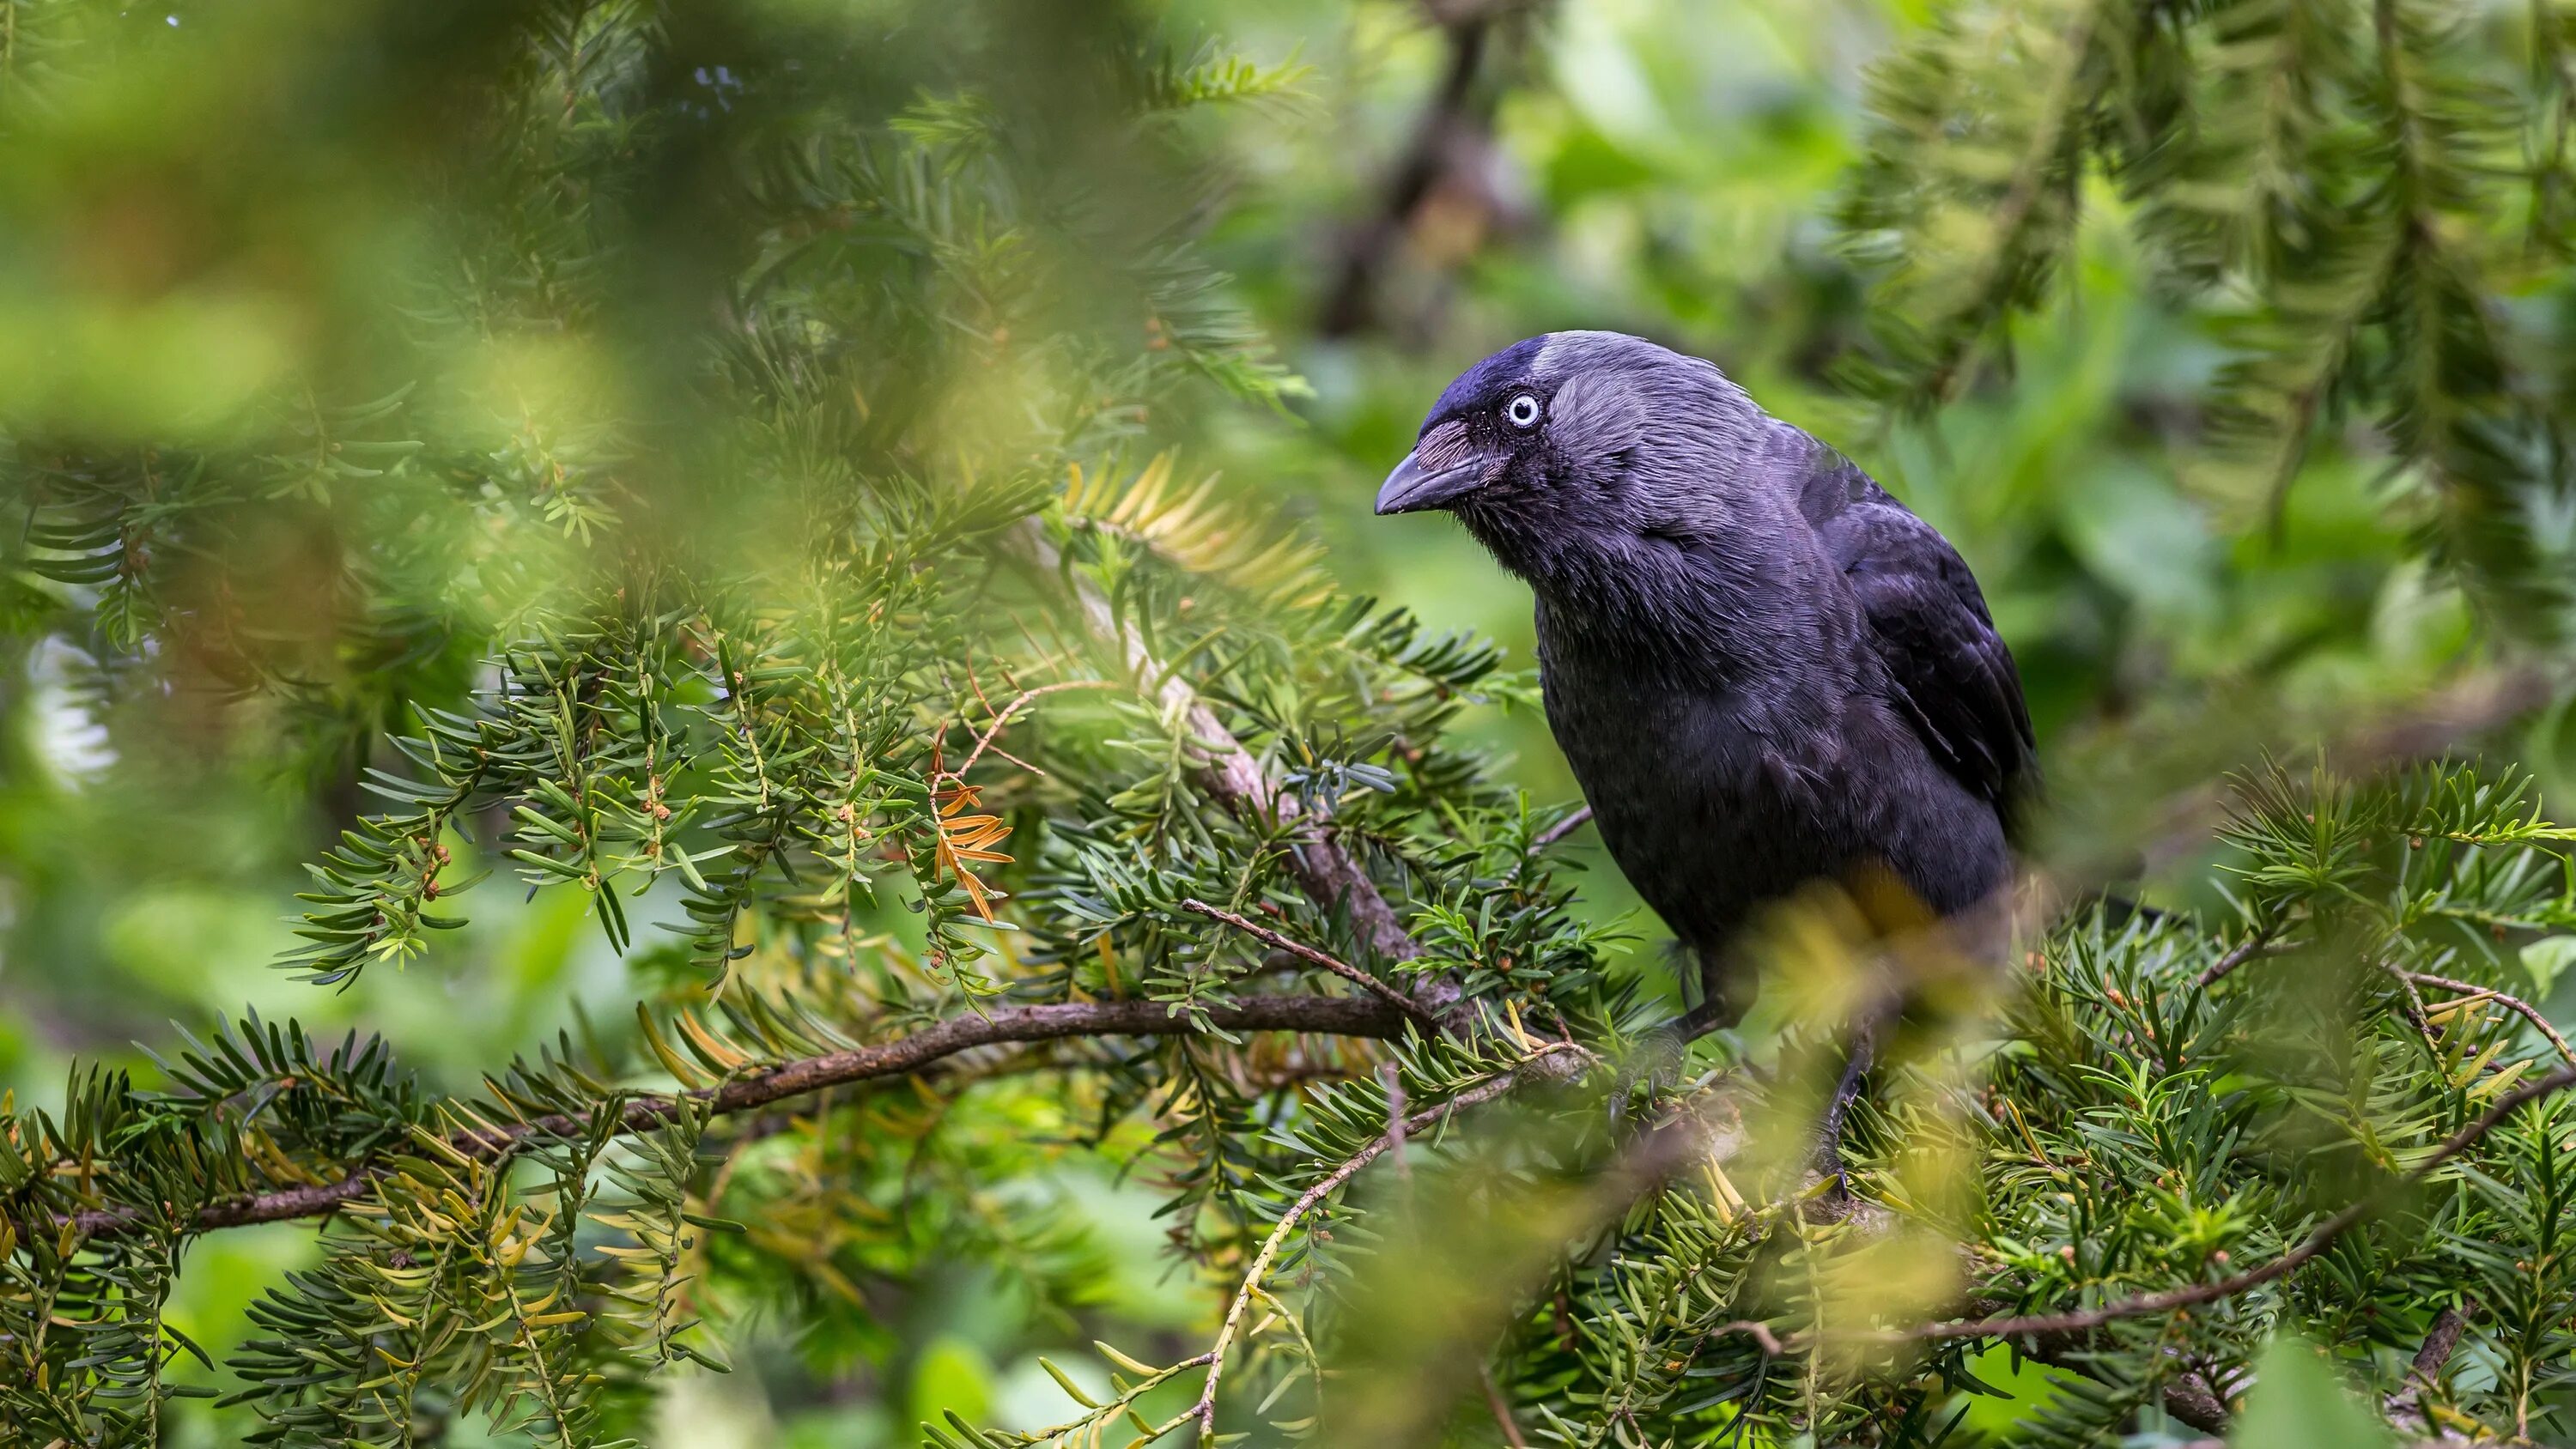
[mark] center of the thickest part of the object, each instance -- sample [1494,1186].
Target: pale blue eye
[1522,411]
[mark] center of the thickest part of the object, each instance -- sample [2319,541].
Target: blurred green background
[1662,167]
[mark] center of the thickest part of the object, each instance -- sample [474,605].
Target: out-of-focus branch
[2427,729]
[1450,122]
[1545,1058]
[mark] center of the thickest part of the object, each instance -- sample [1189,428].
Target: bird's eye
[1522,411]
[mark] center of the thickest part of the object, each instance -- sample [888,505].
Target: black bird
[1764,670]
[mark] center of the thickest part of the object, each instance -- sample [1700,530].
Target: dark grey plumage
[1764,670]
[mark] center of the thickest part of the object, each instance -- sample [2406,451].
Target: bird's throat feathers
[1706,608]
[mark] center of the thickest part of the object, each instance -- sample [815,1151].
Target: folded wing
[1948,670]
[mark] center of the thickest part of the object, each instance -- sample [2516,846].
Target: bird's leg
[1711,1015]
[1665,1051]
[1724,996]
[1861,1053]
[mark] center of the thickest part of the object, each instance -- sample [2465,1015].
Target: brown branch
[2188,1397]
[1341,1016]
[1350,302]
[1304,952]
[1562,828]
[2144,1304]
[2439,1343]
[1323,867]
[2246,950]
[2472,992]
[2448,1326]
[1501,1407]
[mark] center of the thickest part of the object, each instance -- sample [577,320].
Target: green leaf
[2299,1401]
[952,1376]
[2545,959]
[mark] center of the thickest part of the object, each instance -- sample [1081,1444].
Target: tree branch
[1341,1016]
[2188,1397]
[1328,873]
[2246,950]
[2439,1343]
[1563,828]
[1324,869]
[2144,1304]
[1350,303]
[1304,952]
[2471,992]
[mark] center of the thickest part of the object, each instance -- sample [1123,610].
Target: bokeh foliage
[684,540]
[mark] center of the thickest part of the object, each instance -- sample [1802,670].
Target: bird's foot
[1661,1059]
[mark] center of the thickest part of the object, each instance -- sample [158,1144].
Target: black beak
[1409,489]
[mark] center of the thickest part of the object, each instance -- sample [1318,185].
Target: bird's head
[1580,443]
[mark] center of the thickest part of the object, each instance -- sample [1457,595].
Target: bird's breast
[1712,798]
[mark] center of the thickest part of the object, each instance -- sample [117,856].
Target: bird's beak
[1410,489]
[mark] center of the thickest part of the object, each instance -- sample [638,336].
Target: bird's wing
[1948,671]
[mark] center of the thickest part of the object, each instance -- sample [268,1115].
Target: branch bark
[2144,1304]
[1309,954]
[1332,1015]
[2444,1338]
[1324,868]
[1350,303]
[2245,950]
[2188,1398]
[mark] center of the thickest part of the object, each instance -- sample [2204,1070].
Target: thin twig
[1429,1117]
[1562,828]
[1758,1331]
[1501,1406]
[1304,952]
[2471,992]
[1324,869]
[2246,950]
[2316,1242]
[1335,1015]
[1002,717]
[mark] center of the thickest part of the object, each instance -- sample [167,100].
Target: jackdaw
[1764,670]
